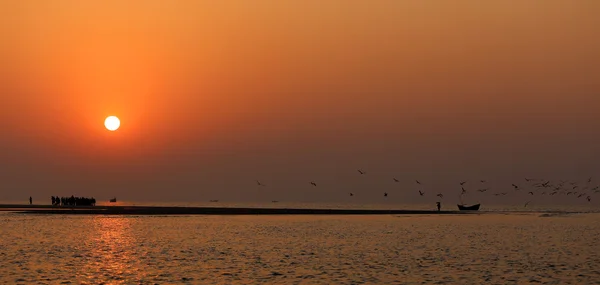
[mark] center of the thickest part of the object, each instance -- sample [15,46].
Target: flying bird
[527,203]
[396,180]
[421,193]
[259,184]
[528,179]
[385,194]
[516,187]
[313,183]
[530,193]
[589,198]
[463,191]
[463,183]
[418,182]
[361,172]
[440,195]
[590,180]
[482,190]
[351,194]
[580,195]
[482,181]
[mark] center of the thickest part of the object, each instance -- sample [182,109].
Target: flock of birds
[534,187]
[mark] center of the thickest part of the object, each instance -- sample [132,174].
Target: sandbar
[159,210]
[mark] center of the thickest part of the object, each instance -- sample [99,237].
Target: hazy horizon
[214,96]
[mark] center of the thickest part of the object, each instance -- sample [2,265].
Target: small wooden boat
[113,200]
[469,208]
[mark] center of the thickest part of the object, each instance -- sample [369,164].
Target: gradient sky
[213,95]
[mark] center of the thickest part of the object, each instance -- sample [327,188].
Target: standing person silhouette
[30,200]
[439,206]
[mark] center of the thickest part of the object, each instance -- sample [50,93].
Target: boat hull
[469,208]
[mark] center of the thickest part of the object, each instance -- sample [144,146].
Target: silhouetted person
[439,206]
[30,200]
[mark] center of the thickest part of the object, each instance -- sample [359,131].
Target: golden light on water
[113,250]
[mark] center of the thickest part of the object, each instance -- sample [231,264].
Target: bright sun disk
[112,123]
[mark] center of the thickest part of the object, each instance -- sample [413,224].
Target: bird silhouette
[526,179]
[482,190]
[516,187]
[396,180]
[361,172]
[314,184]
[259,184]
[527,203]
[482,181]
[440,195]
[418,182]
[385,194]
[421,193]
[580,195]
[590,180]
[530,193]
[463,183]
[351,194]
[463,191]
[589,198]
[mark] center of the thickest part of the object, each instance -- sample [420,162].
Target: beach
[163,210]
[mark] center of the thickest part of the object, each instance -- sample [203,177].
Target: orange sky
[214,95]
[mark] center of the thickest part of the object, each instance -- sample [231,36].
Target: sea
[495,246]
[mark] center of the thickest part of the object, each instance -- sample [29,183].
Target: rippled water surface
[464,249]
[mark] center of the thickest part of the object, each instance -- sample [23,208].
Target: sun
[112,123]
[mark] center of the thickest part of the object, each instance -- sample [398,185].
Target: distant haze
[213,95]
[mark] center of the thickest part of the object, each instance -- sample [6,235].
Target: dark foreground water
[503,248]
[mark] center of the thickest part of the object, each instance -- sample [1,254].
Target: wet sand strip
[148,210]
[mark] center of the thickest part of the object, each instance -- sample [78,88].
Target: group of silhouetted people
[73,201]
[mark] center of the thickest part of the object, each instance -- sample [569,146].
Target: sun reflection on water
[113,252]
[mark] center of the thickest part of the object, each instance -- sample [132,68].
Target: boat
[113,200]
[469,208]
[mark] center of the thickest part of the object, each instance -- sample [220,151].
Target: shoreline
[159,210]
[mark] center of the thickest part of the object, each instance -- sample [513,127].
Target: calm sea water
[502,248]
